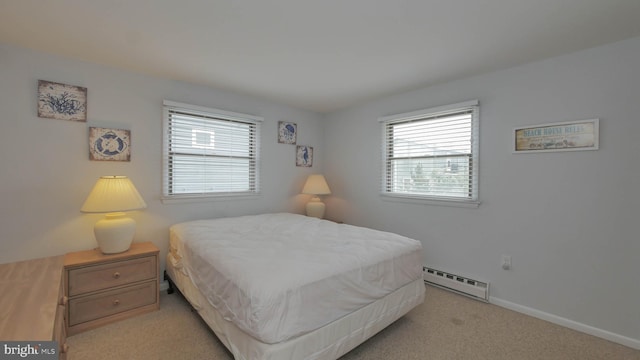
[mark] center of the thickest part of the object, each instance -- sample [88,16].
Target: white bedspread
[277,276]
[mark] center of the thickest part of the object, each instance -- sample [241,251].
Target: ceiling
[321,55]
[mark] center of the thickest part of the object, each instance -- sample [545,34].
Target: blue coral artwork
[61,101]
[287,132]
[109,144]
[304,156]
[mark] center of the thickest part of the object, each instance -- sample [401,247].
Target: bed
[287,286]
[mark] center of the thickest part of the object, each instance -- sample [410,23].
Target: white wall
[46,173]
[568,219]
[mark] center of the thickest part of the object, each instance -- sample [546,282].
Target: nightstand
[104,288]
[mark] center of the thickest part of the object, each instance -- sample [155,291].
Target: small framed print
[287,132]
[304,156]
[109,144]
[561,136]
[61,101]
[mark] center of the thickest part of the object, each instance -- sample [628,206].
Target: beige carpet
[446,327]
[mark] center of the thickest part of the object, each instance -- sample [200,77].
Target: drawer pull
[64,348]
[116,275]
[63,300]
[116,302]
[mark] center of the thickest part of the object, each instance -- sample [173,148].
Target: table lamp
[316,185]
[114,195]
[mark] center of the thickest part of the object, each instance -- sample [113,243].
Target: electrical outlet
[506,262]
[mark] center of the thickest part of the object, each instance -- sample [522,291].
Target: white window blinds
[209,152]
[432,154]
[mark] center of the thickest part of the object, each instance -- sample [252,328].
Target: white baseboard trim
[607,335]
[164,285]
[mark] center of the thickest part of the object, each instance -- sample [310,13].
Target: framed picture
[304,156]
[562,136]
[61,101]
[287,132]
[109,144]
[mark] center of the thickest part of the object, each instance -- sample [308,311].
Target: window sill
[183,199]
[472,204]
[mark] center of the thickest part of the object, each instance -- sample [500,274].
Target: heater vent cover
[465,286]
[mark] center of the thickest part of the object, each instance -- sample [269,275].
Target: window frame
[471,201]
[204,112]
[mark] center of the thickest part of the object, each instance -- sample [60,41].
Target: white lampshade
[316,185]
[114,195]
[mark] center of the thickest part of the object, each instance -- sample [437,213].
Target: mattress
[326,343]
[243,268]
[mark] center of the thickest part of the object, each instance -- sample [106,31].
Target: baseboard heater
[468,287]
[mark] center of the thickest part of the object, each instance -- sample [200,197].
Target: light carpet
[446,326]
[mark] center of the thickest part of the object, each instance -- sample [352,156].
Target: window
[432,154]
[209,152]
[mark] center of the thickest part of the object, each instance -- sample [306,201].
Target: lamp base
[315,208]
[114,233]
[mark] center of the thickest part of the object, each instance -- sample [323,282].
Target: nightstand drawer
[98,277]
[111,302]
